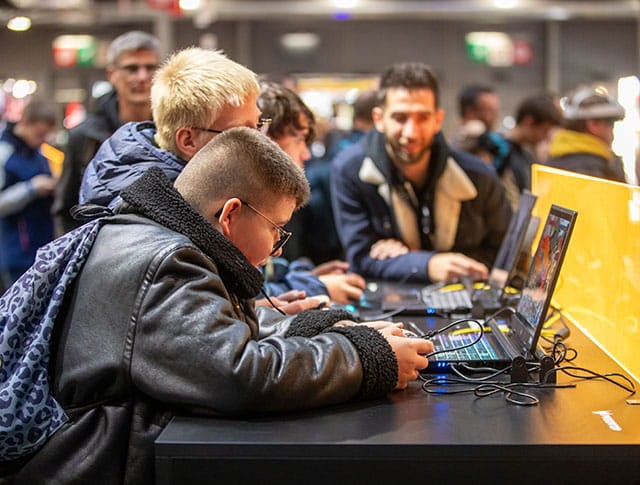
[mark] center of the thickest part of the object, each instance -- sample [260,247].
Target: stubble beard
[401,157]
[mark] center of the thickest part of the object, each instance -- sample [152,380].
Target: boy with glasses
[132,59]
[169,283]
[196,95]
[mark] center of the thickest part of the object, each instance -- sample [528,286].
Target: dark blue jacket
[363,181]
[84,141]
[24,231]
[122,159]
[129,153]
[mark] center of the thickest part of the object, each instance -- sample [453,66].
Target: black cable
[278,309]
[438,384]
[631,388]
[490,388]
[484,390]
[559,353]
[432,334]
[491,372]
[481,330]
[564,332]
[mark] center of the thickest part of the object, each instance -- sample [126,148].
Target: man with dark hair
[132,58]
[312,227]
[584,143]
[479,102]
[536,116]
[479,107]
[408,208]
[27,187]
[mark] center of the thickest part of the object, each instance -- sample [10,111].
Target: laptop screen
[510,247]
[543,274]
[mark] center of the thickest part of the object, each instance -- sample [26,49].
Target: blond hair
[242,163]
[192,87]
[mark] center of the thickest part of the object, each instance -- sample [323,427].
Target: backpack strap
[29,414]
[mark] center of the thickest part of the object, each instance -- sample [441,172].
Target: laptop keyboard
[480,351]
[488,298]
[447,301]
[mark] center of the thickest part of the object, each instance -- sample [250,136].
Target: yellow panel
[599,286]
[55,158]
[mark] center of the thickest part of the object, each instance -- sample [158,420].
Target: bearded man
[406,206]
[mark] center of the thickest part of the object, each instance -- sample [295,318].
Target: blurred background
[332,49]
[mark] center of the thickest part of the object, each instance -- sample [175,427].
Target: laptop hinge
[503,340]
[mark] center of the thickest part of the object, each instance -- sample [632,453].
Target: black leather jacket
[159,322]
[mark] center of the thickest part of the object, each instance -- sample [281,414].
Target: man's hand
[410,353]
[294,301]
[44,185]
[449,267]
[388,248]
[331,267]
[343,288]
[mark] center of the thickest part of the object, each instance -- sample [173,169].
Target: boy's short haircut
[469,94]
[243,163]
[39,111]
[364,104]
[284,107]
[541,108]
[134,40]
[192,87]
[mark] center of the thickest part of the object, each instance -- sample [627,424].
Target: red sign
[171,6]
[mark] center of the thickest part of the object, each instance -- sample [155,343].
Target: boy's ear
[187,142]
[228,214]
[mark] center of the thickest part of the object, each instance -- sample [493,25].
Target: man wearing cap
[584,143]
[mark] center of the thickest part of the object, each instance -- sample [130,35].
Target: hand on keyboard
[451,266]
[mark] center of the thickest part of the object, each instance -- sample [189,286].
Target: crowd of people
[205,284]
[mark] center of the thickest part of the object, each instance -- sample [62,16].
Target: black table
[412,435]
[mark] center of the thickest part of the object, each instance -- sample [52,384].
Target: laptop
[437,298]
[515,334]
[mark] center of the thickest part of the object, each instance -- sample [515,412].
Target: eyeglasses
[134,68]
[262,126]
[284,235]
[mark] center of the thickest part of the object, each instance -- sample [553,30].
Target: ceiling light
[7,86]
[505,3]
[345,3]
[23,88]
[19,24]
[300,41]
[190,4]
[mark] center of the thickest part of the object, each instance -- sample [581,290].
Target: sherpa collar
[154,196]
[447,180]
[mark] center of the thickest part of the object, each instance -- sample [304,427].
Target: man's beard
[402,157]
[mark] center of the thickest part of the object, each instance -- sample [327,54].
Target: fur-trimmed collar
[154,196]
[448,182]
[444,172]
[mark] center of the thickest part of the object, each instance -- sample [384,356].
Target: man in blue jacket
[26,190]
[408,208]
